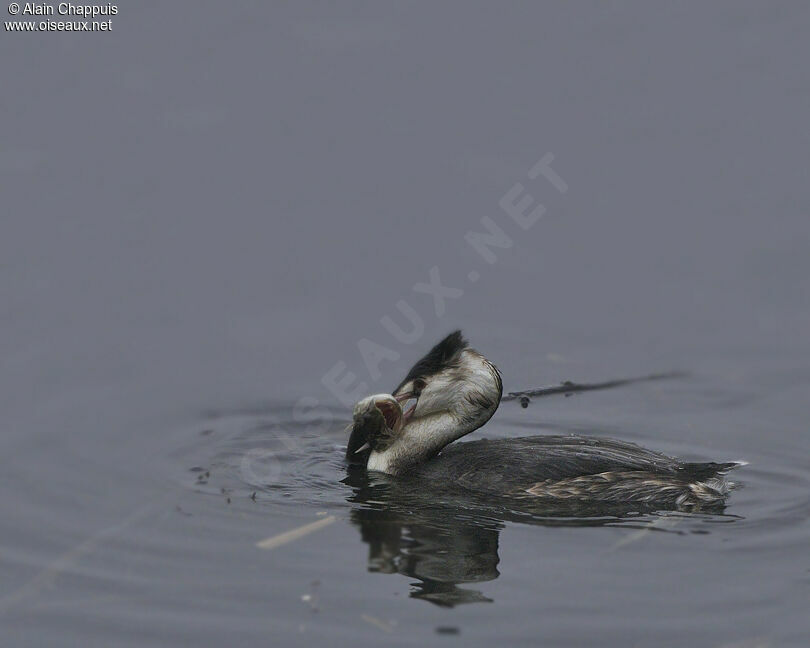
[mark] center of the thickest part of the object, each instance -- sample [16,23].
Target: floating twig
[289,536]
[377,623]
[568,388]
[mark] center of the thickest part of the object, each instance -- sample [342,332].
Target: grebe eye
[418,386]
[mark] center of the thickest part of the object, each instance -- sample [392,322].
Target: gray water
[207,209]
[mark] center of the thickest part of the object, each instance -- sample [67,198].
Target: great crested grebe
[454,390]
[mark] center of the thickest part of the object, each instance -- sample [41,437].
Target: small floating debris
[447,630]
[295,534]
[666,523]
[311,599]
[377,623]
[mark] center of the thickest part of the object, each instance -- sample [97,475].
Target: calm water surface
[205,211]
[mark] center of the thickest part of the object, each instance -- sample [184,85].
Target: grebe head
[450,392]
[451,379]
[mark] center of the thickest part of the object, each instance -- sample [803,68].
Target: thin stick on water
[377,623]
[568,388]
[294,534]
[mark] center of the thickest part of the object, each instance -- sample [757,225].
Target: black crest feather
[441,355]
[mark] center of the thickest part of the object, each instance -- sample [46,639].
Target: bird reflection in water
[448,541]
[430,543]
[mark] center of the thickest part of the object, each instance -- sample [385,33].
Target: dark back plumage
[577,466]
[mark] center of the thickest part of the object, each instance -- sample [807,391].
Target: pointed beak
[405,400]
[365,446]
